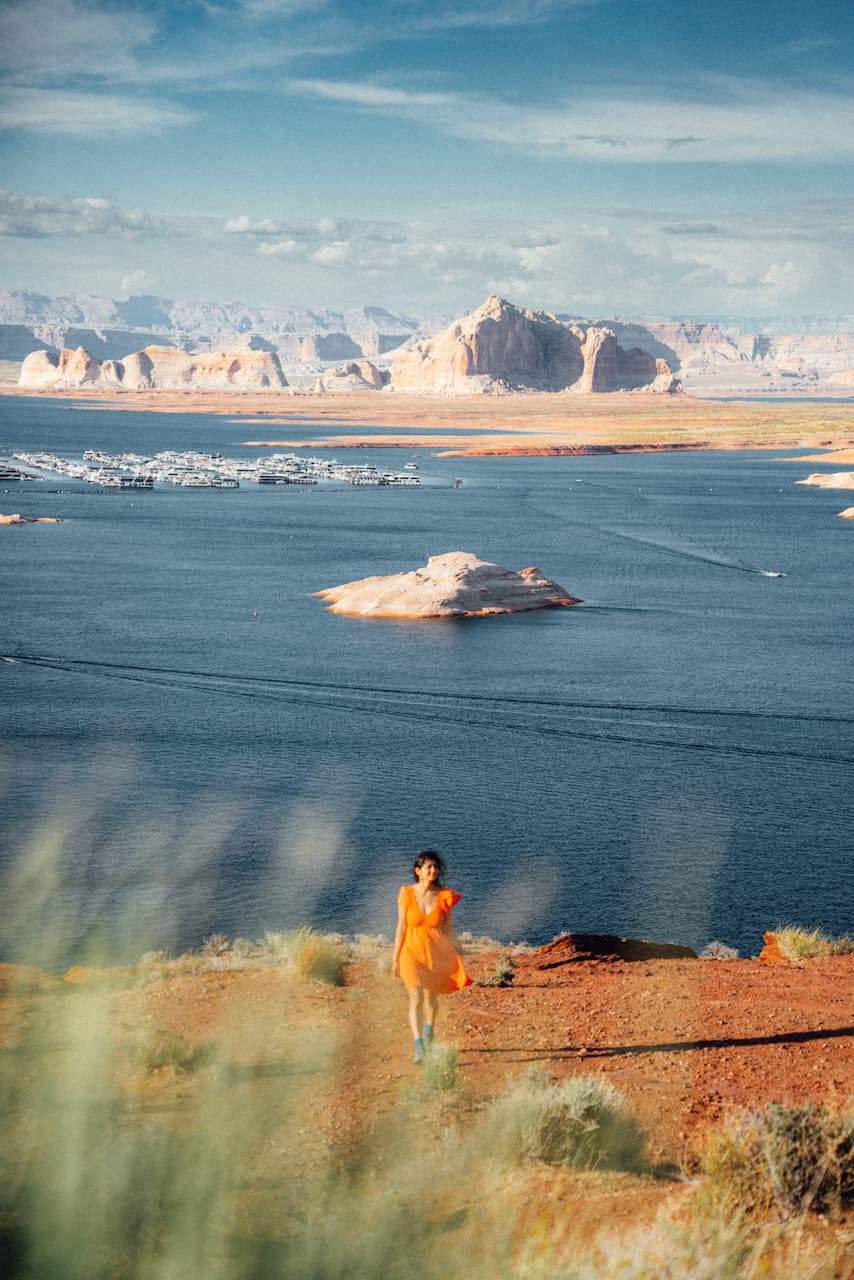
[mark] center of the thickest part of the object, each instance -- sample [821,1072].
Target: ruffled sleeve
[403,896]
[450,898]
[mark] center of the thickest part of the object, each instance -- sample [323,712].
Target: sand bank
[513,425]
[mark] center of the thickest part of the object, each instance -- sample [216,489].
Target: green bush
[168,1049]
[787,1158]
[440,1070]
[501,976]
[583,1122]
[801,944]
[312,954]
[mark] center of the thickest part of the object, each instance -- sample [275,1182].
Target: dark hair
[429,855]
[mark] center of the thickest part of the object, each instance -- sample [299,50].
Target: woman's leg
[416,1012]
[432,1002]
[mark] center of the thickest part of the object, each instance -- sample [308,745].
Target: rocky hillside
[790,356]
[154,368]
[110,328]
[500,347]
[707,357]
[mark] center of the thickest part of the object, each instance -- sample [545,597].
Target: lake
[192,744]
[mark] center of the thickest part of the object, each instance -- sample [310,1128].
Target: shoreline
[496,426]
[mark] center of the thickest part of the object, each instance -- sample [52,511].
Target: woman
[425,958]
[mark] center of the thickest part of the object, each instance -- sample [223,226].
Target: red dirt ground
[330,1067]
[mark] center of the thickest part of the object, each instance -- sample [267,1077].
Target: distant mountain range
[163,315]
[109,328]
[792,355]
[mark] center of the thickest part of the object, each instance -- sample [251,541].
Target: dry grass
[440,1070]
[582,1122]
[311,954]
[785,1160]
[501,976]
[797,944]
[199,1173]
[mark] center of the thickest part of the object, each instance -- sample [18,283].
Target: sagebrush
[796,943]
[789,1159]
[583,1122]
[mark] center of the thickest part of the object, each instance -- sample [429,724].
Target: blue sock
[428,1033]
[419,1050]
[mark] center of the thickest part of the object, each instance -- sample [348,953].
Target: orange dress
[428,957]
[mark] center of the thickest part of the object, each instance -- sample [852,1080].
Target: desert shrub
[152,963]
[243,949]
[801,944]
[275,947]
[216,945]
[583,1122]
[440,1070]
[501,976]
[718,951]
[785,1158]
[468,942]
[365,945]
[168,1049]
[157,965]
[703,1248]
[313,955]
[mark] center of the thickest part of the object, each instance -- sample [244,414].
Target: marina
[195,470]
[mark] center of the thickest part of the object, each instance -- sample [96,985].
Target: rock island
[455,585]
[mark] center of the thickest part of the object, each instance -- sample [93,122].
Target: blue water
[192,744]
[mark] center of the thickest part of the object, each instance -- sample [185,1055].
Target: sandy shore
[514,426]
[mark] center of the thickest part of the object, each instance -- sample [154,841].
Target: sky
[635,158]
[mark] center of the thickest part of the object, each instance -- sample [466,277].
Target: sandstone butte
[155,368]
[497,348]
[356,375]
[832,480]
[502,348]
[454,585]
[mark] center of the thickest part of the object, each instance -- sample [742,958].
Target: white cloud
[786,278]
[495,13]
[32,217]
[139,281]
[717,120]
[592,262]
[279,248]
[46,39]
[401,19]
[244,225]
[278,9]
[333,255]
[85,114]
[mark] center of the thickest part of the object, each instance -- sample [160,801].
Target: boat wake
[691,729]
[701,554]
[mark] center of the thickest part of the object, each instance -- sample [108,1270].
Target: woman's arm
[399,937]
